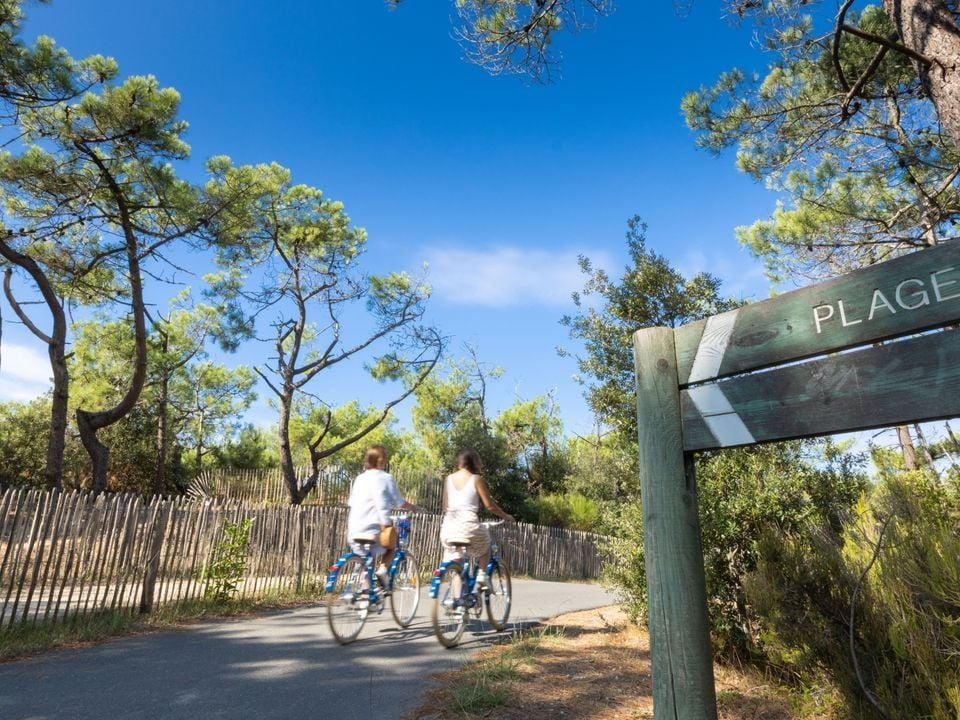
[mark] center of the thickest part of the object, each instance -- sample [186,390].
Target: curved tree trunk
[90,423]
[56,349]
[929,28]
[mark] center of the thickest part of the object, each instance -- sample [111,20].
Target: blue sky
[498,184]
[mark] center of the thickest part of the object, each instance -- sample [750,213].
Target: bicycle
[454,593]
[354,589]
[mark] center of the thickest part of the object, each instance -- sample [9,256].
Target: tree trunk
[930,29]
[56,349]
[98,452]
[200,429]
[89,423]
[287,469]
[58,407]
[160,470]
[906,445]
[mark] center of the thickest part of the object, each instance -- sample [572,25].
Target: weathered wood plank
[676,588]
[913,379]
[902,296]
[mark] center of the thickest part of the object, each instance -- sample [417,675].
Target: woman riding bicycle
[463,491]
[373,496]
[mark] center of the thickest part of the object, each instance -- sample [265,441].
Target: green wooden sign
[913,380]
[906,295]
[803,364]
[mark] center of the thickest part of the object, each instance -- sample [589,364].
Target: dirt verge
[590,664]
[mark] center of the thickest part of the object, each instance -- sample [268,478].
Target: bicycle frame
[403,536]
[469,575]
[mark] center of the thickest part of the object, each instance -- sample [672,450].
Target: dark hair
[469,460]
[373,456]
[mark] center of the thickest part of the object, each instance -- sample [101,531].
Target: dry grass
[591,664]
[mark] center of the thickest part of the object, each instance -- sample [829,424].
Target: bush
[895,564]
[573,511]
[743,494]
[228,562]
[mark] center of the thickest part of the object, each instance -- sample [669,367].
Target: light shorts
[461,524]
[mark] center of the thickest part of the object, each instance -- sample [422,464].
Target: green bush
[876,606]
[228,562]
[743,494]
[573,511]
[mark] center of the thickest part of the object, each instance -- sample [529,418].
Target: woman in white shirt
[463,492]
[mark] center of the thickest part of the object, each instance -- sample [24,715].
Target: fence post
[680,651]
[153,556]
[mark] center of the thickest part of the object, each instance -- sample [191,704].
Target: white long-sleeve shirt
[373,495]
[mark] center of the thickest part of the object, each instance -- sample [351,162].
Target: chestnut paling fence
[65,556]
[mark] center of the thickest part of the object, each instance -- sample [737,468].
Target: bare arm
[488,502]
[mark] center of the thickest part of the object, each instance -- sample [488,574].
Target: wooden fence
[64,555]
[333,486]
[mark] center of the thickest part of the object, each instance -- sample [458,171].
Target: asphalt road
[283,664]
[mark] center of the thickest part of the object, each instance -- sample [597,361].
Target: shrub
[228,562]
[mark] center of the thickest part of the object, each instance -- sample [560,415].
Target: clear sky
[498,184]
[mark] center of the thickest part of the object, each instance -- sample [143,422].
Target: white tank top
[465,500]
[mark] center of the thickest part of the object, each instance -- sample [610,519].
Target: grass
[32,638]
[487,683]
[592,665]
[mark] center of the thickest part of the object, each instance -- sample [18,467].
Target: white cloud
[506,276]
[24,372]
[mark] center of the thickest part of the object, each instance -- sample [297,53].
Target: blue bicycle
[455,595]
[354,590]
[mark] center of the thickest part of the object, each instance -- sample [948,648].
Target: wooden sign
[909,294]
[803,364]
[913,380]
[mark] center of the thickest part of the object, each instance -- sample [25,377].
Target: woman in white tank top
[463,493]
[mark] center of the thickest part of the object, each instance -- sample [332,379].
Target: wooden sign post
[734,379]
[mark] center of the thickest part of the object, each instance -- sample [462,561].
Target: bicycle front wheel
[349,603]
[405,591]
[499,595]
[449,608]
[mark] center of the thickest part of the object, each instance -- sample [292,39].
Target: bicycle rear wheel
[405,591]
[499,595]
[449,608]
[349,603]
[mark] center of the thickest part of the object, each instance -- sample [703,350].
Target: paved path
[281,665]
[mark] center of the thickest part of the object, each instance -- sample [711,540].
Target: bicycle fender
[335,569]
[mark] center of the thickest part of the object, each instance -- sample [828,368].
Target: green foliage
[515,36]
[567,510]
[23,442]
[892,570]
[866,176]
[602,467]
[650,293]
[744,495]
[251,449]
[228,562]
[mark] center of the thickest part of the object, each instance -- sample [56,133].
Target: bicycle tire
[449,614]
[499,595]
[346,608]
[405,591]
